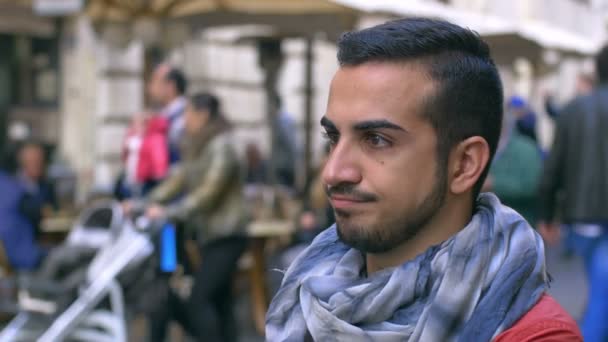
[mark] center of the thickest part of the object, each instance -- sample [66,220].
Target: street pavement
[569,286]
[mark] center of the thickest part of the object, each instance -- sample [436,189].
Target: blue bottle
[168,249]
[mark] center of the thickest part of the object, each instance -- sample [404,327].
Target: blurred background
[75,71]
[74,74]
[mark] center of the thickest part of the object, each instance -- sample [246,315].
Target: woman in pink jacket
[145,154]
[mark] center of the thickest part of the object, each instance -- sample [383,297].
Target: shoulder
[577,104]
[546,321]
[572,110]
[10,183]
[221,148]
[223,142]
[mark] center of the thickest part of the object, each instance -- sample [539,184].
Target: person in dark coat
[574,188]
[16,232]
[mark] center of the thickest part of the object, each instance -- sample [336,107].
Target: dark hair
[179,80]
[468,100]
[206,102]
[601,65]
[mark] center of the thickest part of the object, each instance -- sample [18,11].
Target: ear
[467,162]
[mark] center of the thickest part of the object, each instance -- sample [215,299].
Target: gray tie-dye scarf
[469,288]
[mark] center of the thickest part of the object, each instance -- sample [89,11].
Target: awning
[525,33]
[18,17]
[126,10]
[286,17]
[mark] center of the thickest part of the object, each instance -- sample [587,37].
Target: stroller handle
[146,225]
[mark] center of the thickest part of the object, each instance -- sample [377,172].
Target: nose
[342,166]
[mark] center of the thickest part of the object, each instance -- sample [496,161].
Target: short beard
[391,234]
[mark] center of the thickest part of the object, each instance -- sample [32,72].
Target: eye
[331,137]
[375,140]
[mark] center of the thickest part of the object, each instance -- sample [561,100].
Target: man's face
[195,120]
[583,85]
[32,162]
[382,174]
[159,88]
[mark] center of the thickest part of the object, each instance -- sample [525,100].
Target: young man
[414,116]
[40,199]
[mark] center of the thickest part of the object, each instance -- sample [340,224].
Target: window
[32,64]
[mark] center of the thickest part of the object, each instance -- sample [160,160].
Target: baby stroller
[49,311]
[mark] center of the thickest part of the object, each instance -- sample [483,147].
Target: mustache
[346,189]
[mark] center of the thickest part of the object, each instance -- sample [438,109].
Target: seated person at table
[257,166]
[209,202]
[16,232]
[39,192]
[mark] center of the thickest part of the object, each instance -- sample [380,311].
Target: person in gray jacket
[204,191]
[577,172]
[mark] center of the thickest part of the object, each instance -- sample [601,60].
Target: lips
[345,202]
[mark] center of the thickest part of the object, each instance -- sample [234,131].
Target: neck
[453,216]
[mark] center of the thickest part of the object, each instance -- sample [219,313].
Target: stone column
[102,89]
[270,60]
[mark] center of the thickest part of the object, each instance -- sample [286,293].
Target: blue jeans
[594,252]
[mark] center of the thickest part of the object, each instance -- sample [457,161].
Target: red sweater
[547,321]
[153,162]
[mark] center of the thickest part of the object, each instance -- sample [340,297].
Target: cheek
[154,88]
[405,177]
[189,123]
[195,123]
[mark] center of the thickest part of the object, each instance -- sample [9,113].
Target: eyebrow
[364,125]
[376,124]
[325,122]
